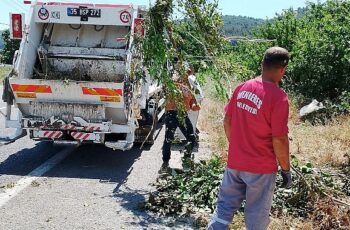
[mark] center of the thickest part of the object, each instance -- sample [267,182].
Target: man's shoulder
[251,81]
[280,92]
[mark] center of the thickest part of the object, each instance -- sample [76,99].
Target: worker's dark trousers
[171,124]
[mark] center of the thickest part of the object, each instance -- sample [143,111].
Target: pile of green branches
[195,192]
[309,186]
[184,193]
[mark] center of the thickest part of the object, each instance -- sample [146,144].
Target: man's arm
[281,149]
[227,125]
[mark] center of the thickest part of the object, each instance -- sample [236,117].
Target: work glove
[287,179]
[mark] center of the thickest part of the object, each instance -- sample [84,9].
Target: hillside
[240,25]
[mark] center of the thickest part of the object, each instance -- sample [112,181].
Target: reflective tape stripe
[80,135]
[51,134]
[92,128]
[86,136]
[58,135]
[31,88]
[68,127]
[102,91]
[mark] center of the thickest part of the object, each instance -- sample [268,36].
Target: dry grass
[282,223]
[211,123]
[323,145]
[290,223]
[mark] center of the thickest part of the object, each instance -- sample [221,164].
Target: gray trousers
[236,186]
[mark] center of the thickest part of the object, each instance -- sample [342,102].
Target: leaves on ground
[195,192]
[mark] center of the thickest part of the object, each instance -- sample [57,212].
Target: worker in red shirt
[255,124]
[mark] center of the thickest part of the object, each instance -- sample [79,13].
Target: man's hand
[196,107]
[287,179]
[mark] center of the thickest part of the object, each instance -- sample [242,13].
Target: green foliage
[228,70]
[321,54]
[234,64]
[320,49]
[169,44]
[345,101]
[309,185]
[283,29]
[188,192]
[249,55]
[318,40]
[10,46]
[195,192]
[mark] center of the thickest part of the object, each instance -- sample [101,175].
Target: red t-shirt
[259,110]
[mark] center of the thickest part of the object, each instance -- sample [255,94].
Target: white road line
[2,108]
[33,175]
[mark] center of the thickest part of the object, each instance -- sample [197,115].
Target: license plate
[84,12]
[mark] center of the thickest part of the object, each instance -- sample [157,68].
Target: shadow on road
[97,162]
[24,161]
[85,162]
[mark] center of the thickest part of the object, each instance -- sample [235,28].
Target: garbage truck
[77,79]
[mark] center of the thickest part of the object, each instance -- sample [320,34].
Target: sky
[252,8]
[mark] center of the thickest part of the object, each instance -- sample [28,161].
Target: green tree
[10,47]
[318,40]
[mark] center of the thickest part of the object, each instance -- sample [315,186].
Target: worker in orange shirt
[173,120]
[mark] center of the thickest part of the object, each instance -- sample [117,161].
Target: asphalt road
[89,187]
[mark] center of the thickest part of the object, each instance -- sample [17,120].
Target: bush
[321,54]
[318,41]
[10,47]
[320,50]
